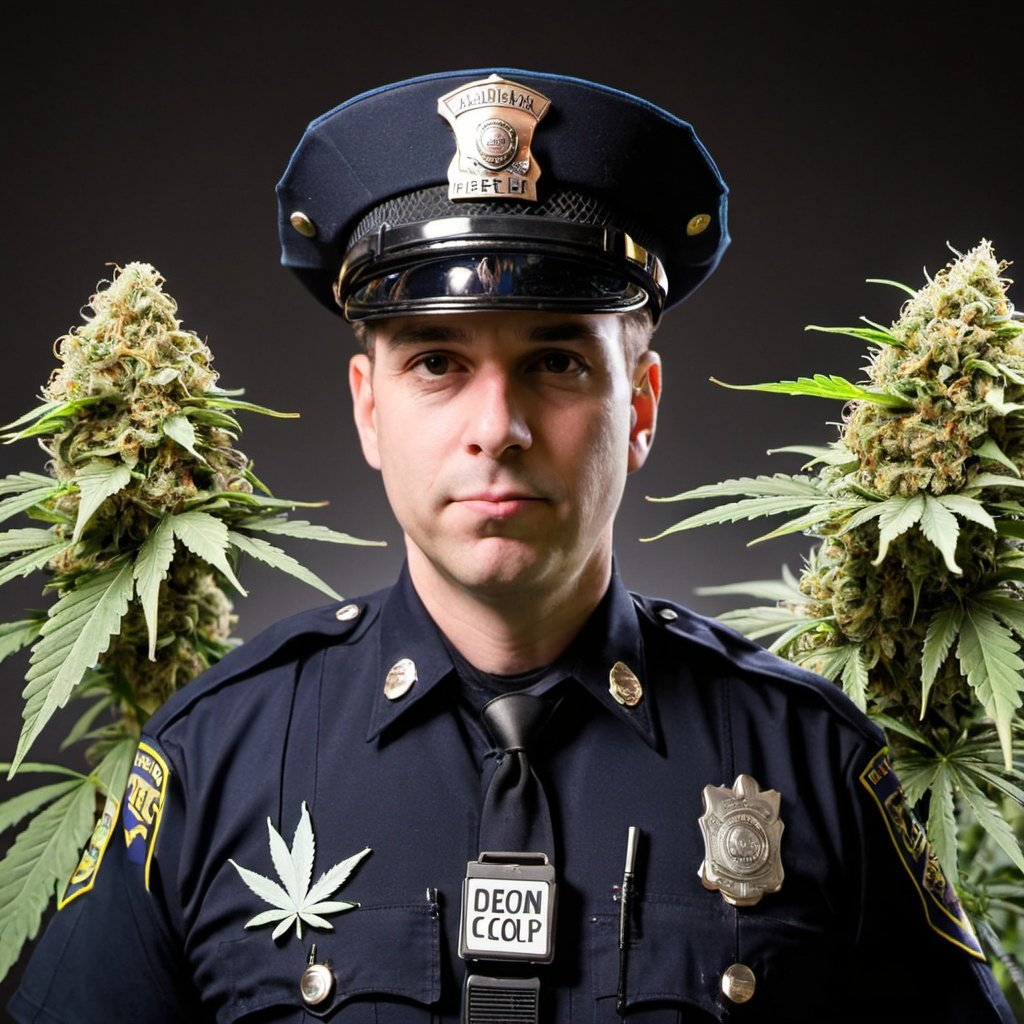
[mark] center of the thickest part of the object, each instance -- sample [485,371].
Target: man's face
[504,440]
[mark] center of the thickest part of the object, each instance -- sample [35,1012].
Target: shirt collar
[610,637]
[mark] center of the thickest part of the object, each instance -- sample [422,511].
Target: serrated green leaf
[748,508]
[1009,609]
[43,855]
[988,449]
[778,485]
[982,480]
[757,623]
[765,590]
[84,722]
[229,403]
[278,559]
[943,629]
[76,633]
[302,529]
[150,570]
[206,536]
[897,725]
[111,774]
[98,480]
[32,561]
[827,662]
[855,679]
[244,498]
[18,483]
[897,516]
[49,417]
[267,917]
[988,656]
[296,901]
[941,827]
[990,818]
[335,877]
[831,455]
[29,539]
[824,386]
[265,888]
[18,807]
[801,625]
[941,528]
[26,499]
[826,512]
[16,635]
[179,428]
[875,335]
[967,508]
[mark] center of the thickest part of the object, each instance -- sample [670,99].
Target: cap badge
[742,833]
[493,121]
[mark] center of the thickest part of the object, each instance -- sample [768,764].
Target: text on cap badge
[742,834]
[493,121]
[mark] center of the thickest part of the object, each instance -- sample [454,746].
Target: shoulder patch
[84,876]
[938,897]
[143,805]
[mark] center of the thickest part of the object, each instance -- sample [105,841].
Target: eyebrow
[429,333]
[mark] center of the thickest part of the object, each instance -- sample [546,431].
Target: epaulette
[745,656]
[334,622]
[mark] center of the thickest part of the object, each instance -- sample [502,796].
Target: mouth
[499,504]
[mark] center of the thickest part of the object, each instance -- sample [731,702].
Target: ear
[644,411]
[364,409]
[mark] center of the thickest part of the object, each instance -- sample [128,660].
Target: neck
[511,631]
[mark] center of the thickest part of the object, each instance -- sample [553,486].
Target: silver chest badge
[742,834]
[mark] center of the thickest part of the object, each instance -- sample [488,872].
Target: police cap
[500,189]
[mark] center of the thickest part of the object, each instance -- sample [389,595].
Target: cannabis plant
[142,515]
[911,597]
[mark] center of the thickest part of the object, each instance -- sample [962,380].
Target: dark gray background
[857,141]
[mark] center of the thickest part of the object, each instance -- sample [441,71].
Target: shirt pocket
[682,947]
[385,961]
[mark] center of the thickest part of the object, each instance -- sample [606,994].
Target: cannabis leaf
[294,900]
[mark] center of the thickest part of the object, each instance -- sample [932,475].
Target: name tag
[508,909]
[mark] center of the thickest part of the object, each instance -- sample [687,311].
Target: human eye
[561,362]
[433,364]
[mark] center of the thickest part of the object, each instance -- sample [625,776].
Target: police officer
[507,789]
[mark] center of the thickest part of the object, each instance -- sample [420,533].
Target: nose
[496,421]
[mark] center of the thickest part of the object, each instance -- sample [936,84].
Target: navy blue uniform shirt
[298,718]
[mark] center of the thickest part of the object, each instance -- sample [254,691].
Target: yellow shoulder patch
[942,907]
[143,805]
[84,876]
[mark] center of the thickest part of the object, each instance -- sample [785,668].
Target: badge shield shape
[493,120]
[742,836]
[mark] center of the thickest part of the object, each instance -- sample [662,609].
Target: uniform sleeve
[112,951]
[915,942]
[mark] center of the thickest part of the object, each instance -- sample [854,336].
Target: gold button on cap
[303,224]
[400,678]
[624,685]
[698,224]
[346,612]
[316,984]
[738,983]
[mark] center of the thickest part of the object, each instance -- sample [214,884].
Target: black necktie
[515,815]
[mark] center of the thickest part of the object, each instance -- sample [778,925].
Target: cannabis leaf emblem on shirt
[293,900]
